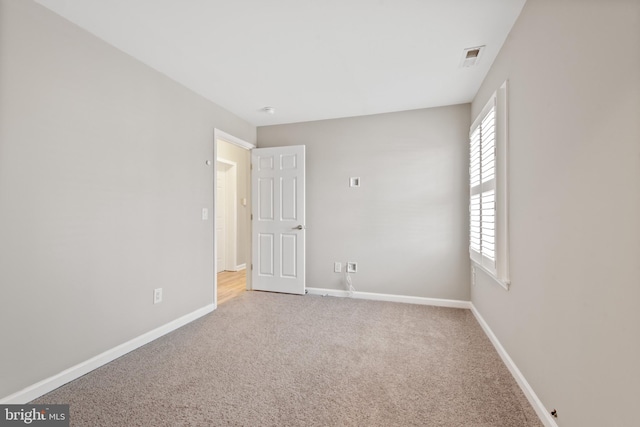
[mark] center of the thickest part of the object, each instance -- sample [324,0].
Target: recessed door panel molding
[288,255]
[265,260]
[265,163]
[288,202]
[288,161]
[265,199]
[278,226]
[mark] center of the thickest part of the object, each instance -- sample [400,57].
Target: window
[488,231]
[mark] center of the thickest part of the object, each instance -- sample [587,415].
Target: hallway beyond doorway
[231,284]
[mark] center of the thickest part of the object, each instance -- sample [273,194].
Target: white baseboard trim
[545,417]
[49,384]
[241,267]
[451,303]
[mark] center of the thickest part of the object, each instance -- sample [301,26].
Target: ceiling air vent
[471,56]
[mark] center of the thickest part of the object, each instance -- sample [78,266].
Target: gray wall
[570,321]
[102,182]
[406,226]
[241,157]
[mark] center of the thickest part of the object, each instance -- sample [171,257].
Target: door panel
[289,248]
[265,199]
[265,260]
[278,200]
[288,190]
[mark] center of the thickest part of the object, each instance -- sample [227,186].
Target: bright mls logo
[34,415]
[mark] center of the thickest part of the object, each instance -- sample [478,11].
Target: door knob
[300,227]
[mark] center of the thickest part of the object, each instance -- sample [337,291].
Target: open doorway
[231,284]
[226,215]
[232,185]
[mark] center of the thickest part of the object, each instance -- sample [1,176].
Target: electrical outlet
[337,267]
[352,267]
[157,295]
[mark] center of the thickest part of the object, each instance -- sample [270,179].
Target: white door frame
[231,218]
[223,136]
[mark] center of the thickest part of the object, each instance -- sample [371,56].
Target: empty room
[320,213]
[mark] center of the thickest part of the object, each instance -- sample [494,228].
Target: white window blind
[474,206]
[488,174]
[482,184]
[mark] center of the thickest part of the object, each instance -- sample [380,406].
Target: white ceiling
[309,59]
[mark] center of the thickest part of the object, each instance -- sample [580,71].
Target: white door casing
[219,135]
[278,219]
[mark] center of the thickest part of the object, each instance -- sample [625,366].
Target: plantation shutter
[476,190]
[482,184]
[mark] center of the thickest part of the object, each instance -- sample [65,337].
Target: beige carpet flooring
[266,359]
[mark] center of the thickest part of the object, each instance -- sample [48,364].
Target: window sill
[503,283]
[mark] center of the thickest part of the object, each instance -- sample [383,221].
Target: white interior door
[278,219]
